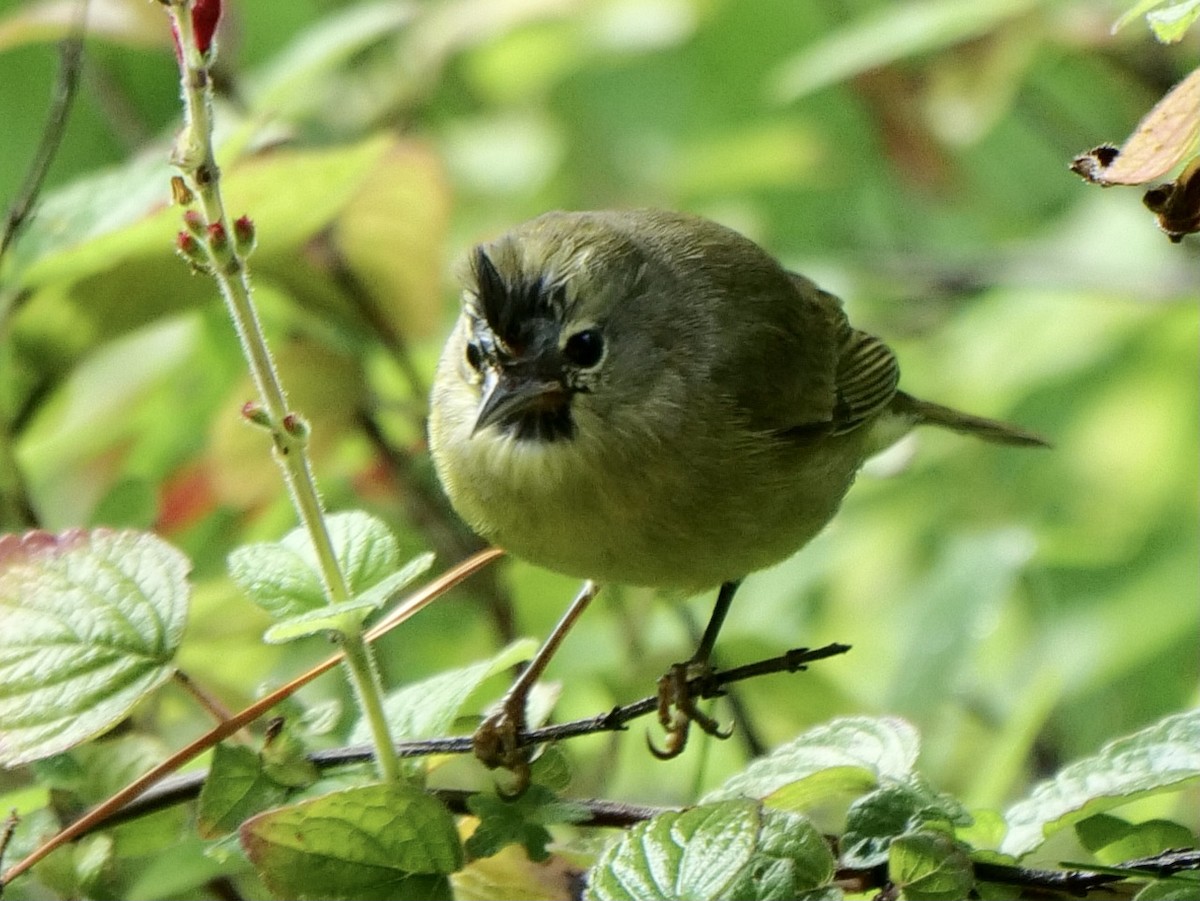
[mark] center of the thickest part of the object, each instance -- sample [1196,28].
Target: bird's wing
[865,382]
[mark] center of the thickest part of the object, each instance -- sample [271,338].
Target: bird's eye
[585,348]
[474,356]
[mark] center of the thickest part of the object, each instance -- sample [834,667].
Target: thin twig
[186,786]
[70,52]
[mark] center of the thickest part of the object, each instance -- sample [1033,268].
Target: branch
[70,52]
[185,787]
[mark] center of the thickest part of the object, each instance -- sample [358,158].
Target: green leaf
[294,74]
[276,578]
[930,866]
[1163,757]
[1114,840]
[121,215]
[889,33]
[875,820]
[372,842]
[236,788]
[694,854]
[285,759]
[329,618]
[427,708]
[792,860]
[520,821]
[365,547]
[386,588]
[732,849]
[284,577]
[92,621]
[1171,24]
[846,753]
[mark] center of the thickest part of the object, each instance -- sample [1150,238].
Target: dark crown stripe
[509,305]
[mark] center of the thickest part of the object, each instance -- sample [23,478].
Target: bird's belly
[658,522]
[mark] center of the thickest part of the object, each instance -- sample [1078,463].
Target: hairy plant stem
[193,155]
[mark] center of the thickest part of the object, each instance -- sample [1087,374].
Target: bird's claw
[497,744]
[677,709]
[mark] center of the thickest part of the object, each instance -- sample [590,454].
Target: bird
[648,398]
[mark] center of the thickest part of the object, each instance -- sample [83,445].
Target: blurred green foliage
[1019,607]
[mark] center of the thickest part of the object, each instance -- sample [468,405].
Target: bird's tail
[923,412]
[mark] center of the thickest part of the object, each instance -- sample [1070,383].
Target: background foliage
[1019,608]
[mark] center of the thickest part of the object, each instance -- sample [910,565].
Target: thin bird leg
[497,741]
[677,708]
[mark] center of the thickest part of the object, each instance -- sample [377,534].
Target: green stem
[193,155]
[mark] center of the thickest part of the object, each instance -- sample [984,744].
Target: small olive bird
[649,398]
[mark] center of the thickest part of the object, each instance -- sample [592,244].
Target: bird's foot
[678,690]
[497,742]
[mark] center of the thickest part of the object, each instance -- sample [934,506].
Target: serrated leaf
[792,860]
[277,579]
[694,854]
[371,842]
[92,621]
[284,577]
[519,821]
[1163,757]
[329,618]
[862,751]
[428,708]
[365,547]
[732,849]
[385,589]
[236,788]
[875,820]
[930,866]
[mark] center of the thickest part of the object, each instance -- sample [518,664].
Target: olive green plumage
[647,397]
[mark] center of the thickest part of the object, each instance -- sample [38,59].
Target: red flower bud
[188,247]
[243,235]
[205,16]
[194,222]
[296,425]
[253,412]
[218,239]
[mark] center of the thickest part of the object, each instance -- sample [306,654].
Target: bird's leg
[677,708]
[497,741]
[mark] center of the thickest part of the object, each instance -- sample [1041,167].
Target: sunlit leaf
[862,750]
[92,621]
[732,849]
[1163,757]
[1171,23]
[372,842]
[122,213]
[285,577]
